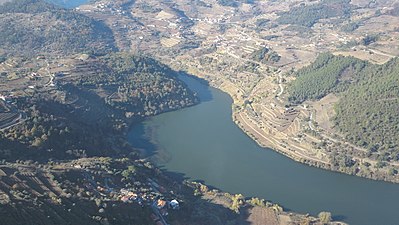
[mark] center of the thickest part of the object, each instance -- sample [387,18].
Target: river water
[203,143]
[68,3]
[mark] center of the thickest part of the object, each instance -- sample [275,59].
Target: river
[203,143]
[68,3]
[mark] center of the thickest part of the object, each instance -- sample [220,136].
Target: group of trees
[369,39]
[307,15]
[51,131]
[265,55]
[350,27]
[323,77]
[367,112]
[234,3]
[36,130]
[27,6]
[141,85]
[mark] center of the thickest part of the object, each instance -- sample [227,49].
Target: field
[324,111]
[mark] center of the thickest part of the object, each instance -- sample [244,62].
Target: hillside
[32,27]
[327,74]
[60,107]
[118,191]
[251,49]
[139,84]
[307,14]
[366,111]
[84,107]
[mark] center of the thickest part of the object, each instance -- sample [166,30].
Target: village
[23,182]
[98,186]
[149,194]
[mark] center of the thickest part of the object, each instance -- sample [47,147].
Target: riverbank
[203,143]
[251,119]
[258,211]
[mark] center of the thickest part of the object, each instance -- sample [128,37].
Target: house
[174,204]
[77,166]
[161,203]
[124,191]
[124,199]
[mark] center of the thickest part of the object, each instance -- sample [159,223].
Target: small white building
[174,204]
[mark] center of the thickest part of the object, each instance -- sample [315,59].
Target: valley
[219,44]
[314,80]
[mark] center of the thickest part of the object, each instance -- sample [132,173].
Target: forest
[308,15]
[27,6]
[233,3]
[327,74]
[367,114]
[142,86]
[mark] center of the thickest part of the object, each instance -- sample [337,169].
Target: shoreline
[280,149]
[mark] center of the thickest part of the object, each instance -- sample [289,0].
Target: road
[20,119]
[51,81]
[156,211]
[382,53]
[311,121]
[280,84]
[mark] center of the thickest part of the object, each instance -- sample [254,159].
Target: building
[161,203]
[174,204]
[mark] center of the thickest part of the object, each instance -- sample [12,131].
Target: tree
[129,171]
[37,142]
[325,217]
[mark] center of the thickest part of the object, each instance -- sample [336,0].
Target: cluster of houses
[160,209]
[127,196]
[148,193]
[159,205]
[102,7]
[163,205]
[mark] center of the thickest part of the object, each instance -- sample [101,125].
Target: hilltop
[34,27]
[82,105]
